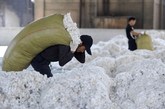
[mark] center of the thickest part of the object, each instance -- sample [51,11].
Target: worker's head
[132,21]
[86,44]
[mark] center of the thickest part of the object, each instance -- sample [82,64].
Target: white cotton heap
[140,85]
[112,78]
[74,32]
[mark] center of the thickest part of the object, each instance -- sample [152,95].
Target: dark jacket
[129,28]
[131,39]
[62,54]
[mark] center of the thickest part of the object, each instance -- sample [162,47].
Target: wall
[141,9]
[48,7]
[156,14]
[110,22]
[150,14]
[162,22]
[87,13]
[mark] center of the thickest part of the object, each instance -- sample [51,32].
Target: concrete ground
[7,34]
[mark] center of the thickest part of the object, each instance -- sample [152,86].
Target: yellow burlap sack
[33,39]
[144,42]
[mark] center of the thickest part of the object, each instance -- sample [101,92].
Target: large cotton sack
[144,42]
[33,39]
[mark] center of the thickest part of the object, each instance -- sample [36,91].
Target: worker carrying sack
[37,36]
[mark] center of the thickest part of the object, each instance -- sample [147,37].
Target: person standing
[131,34]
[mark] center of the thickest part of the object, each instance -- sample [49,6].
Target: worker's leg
[41,65]
[132,45]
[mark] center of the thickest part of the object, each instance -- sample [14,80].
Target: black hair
[131,18]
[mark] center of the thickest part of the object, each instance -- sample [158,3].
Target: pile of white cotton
[112,78]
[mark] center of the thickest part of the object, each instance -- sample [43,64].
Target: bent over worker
[62,54]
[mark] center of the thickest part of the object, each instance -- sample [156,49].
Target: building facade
[106,13]
[150,14]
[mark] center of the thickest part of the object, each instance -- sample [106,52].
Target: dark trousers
[132,45]
[41,65]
